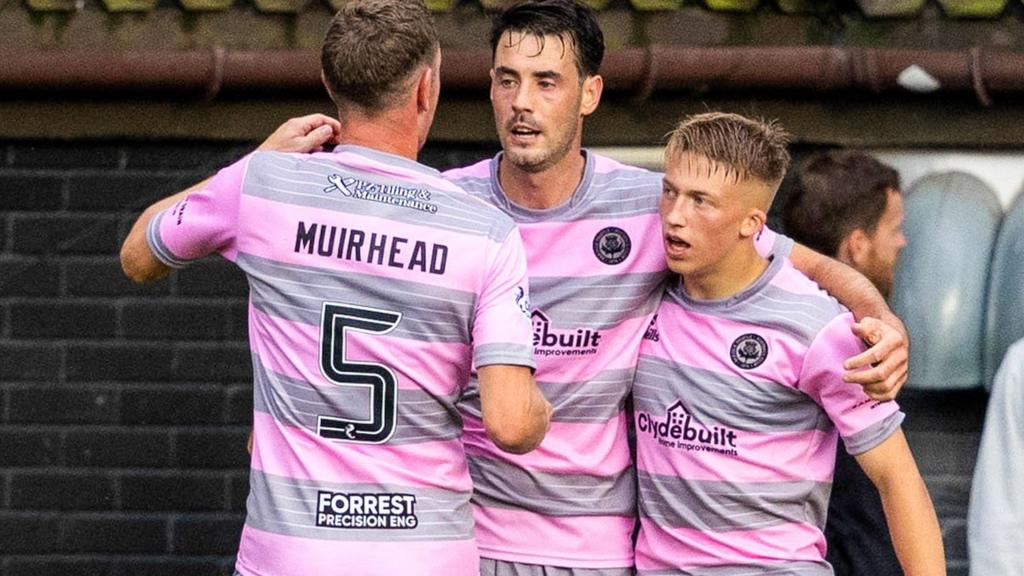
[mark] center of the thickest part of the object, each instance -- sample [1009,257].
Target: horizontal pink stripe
[791,280]
[267,554]
[568,448]
[777,457]
[274,238]
[547,243]
[579,542]
[619,349]
[682,548]
[606,165]
[299,453]
[437,368]
[697,340]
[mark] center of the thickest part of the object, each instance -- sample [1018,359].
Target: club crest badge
[612,245]
[749,351]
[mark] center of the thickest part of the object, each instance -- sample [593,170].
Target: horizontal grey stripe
[801,316]
[715,398]
[610,195]
[289,506]
[498,484]
[596,302]
[598,400]
[157,246]
[677,502]
[873,435]
[297,293]
[489,567]
[782,568]
[516,355]
[420,417]
[302,181]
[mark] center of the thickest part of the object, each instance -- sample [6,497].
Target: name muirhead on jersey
[370,247]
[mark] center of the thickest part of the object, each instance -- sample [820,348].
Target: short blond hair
[744,147]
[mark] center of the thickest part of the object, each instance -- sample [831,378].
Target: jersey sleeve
[770,243]
[204,222]
[502,329]
[862,422]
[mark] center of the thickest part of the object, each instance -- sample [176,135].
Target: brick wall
[124,409]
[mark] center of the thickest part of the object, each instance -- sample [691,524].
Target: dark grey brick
[174,491]
[85,404]
[62,489]
[57,566]
[239,405]
[54,319]
[28,532]
[60,155]
[29,447]
[33,277]
[207,534]
[161,320]
[174,566]
[113,533]
[212,276]
[91,362]
[950,494]
[131,192]
[177,405]
[95,276]
[118,448]
[31,192]
[220,448]
[221,362]
[31,361]
[238,491]
[64,234]
[204,158]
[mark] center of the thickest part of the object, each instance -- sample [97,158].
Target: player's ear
[753,223]
[591,97]
[425,89]
[858,247]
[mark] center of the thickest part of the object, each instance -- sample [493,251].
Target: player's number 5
[377,379]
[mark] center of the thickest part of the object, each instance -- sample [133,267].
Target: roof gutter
[636,72]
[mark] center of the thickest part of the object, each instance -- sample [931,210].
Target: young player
[739,397]
[376,286]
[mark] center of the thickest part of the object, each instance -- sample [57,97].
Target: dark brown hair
[372,48]
[571,20]
[834,193]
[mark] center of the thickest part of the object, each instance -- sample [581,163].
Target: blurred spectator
[848,205]
[995,519]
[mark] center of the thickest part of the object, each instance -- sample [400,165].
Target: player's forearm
[844,283]
[914,528]
[516,415]
[908,508]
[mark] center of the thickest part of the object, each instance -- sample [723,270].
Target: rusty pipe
[636,72]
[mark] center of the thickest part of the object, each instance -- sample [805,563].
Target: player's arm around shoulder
[138,262]
[515,414]
[887,358]
[908,507]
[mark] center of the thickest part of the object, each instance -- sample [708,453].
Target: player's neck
[394,133]
[545,189]
[733,274]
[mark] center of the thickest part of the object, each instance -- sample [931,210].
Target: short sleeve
[502,329]
[862,422]
[770,243]
[206,221]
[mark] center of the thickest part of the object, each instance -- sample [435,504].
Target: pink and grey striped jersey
[738,406]
[597,272]
[375,287]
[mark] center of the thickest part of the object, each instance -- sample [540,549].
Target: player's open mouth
[524,132]
[675,247]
